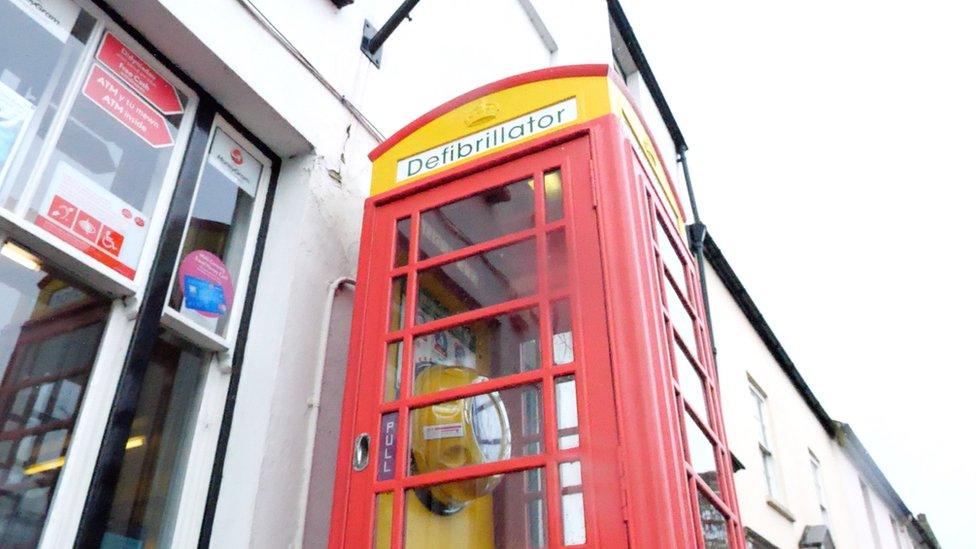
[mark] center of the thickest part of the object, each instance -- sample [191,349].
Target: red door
[479,405]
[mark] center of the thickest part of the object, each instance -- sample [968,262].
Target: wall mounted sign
[482,141]
[135,72]
[82,213]
[206,284]
[387,451]
[56,16]
[234,162]
[128,108]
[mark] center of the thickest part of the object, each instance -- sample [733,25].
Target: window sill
[781,509]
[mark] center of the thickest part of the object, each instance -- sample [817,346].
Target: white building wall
[795,433]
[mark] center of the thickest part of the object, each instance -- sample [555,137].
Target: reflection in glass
[487,215]
[713,524]
[508,517]
[680,318]
[553,184]
[557,256]
[402,254]
[567,418]
[471,431]
[690,382]
[671,258]
[50,331]
[494,346]
[394,361]
[384,518]
[488,278]
[571,488]
[35,68]
[219,226]
[701,453]
[562,333]
[146,500]
[398,293]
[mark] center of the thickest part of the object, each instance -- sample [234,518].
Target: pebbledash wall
[288,83]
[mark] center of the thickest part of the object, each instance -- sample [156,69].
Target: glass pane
[37,59]
[490,511]
[713,524]
[701,454]
[680,318]
[471,431]
[146,500]
[562,333]
[571,484]
[102,182]
[553,184]
[398,294]
[394,362]
[567,418]
[487,215]
[690,382]
[402,254]
[491,347]
[382,533]
[672,261]
[557,256]
[216,235]
[50,331]
[488,278]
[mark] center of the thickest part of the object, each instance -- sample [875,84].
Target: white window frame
[869,509]
[816,468]
[767,453]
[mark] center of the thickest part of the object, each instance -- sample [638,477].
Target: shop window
[50,332]
[40,47]
[147,496]
[217,235]
[89,132]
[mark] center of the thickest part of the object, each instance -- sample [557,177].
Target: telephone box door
[479,403]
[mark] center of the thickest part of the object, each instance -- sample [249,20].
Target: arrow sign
[136,73]
[126,107]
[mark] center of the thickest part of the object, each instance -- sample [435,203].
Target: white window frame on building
[816,470]
[102,433]
[767,454]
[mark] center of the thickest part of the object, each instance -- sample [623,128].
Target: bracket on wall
[372,42]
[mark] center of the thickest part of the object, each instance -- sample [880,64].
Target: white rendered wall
[794,433]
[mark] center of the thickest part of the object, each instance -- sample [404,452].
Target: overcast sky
[832,149]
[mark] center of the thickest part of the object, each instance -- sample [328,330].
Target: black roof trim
[732,283]
[644,68]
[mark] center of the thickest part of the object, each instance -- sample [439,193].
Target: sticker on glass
[206,284]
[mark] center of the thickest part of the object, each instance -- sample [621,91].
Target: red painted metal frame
[635,469]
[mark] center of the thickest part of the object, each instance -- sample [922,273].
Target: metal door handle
[360,452]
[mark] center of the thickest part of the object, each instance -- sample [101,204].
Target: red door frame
[632,447]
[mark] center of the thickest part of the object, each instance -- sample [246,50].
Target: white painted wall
[795,432]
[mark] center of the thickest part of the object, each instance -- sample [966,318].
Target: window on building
[869,509]
[50,332]
[895,531]
[818,485]
[760,414]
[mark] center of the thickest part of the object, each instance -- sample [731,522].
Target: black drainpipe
[696,241]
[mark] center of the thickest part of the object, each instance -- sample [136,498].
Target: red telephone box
[529,362]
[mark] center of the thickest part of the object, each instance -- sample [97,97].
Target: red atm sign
[136,73]
[126,107]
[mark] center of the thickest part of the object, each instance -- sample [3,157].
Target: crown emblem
[482,111]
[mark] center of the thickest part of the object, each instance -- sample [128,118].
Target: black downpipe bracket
[372,43]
